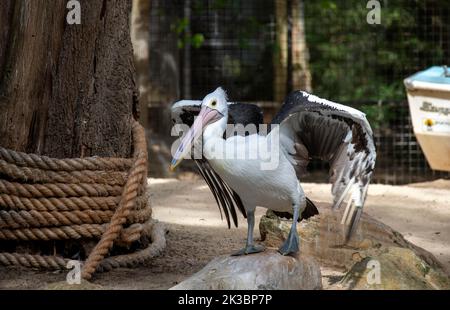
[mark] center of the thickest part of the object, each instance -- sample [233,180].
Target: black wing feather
[210,185]
[220,187]
[312,127]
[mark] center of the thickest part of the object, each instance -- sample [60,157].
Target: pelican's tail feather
[309,211]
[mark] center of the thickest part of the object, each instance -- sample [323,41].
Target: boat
[428,94]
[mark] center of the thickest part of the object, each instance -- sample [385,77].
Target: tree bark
[300,74]
[140,37]
[280,57]
[187,51]
[67,90]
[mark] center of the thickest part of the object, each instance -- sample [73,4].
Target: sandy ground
[197,234]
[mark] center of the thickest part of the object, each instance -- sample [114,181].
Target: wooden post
[301,75]
[280,55]
[187,52]
[140,37]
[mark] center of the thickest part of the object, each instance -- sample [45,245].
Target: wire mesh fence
[259,50]
[400,159]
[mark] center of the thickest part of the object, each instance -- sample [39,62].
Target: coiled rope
[104,199]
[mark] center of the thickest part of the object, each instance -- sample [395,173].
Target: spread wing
[184,112]
[311,127]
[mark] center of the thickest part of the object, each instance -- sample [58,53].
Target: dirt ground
[421,212]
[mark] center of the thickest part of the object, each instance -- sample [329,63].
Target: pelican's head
[214,108]
[217,100]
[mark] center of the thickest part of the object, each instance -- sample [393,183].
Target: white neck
[213,137]
[216,129]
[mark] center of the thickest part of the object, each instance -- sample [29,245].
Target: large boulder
[402,264]
[398,269]
[263,271]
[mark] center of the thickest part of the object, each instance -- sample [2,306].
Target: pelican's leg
[292,241]
[250,247]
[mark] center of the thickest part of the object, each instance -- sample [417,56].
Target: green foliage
[197,40]
[250,27]
[353,60]
[220,4]
[179,27]
[378,116]
[242,61]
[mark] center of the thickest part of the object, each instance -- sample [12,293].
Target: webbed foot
[290,245]
[250,249]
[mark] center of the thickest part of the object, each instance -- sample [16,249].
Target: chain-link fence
[259,50]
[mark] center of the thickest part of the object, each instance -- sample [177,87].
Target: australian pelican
[306,127]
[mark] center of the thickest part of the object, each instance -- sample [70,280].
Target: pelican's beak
[204,118]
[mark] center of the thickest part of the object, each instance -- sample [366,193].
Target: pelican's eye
[213,103]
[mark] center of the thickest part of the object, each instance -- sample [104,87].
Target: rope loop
[104,199]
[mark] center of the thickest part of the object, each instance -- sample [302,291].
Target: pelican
[245,170]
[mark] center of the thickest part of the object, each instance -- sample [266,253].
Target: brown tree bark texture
[66,90]
[140,38]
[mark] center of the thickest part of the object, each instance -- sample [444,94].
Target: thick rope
[46,176]
[34,261]
[59,189]
[137,176]
[158,244]
[11,202]
[87,231]
[72,164]
[26,219]
[53,233]
[157,235]
[82,198]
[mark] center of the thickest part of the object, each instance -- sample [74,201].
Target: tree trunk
[301,75]
[187,51]
[66,90]
[280,57]
[140,37]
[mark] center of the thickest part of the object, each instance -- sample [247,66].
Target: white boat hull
[430,115]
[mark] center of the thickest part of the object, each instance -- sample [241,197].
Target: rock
[398,269]
[322,237]
[267,270]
